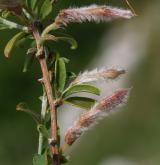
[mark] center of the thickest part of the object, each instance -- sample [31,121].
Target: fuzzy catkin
[98,74]
[101,109]
[91,13]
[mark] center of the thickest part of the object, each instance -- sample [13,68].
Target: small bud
[91,13]
[101,109]
[95,75]
[40,80]
[112,73]
[52,142]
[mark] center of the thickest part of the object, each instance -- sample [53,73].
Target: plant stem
[48,88]
[43,114]
[49,28]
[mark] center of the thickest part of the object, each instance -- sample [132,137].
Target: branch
[48,88]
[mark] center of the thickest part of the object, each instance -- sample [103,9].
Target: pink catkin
[91,13]
[89,118]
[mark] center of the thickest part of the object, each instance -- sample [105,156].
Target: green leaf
[66,60]
[46,9]
[60,74]
[67,39]
[24,108]
[31,4]
[40,160]
[81,102]
[10,45]
[42,129]
[81,88]
[49,28]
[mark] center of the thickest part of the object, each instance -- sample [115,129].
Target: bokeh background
[129,137]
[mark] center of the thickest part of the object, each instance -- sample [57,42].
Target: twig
[48,87]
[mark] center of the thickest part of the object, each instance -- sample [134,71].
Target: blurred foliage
[133,133]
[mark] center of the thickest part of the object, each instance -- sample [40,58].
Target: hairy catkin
[101,109]
[91,13]
[98,74]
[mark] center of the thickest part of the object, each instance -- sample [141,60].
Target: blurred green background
[130,137]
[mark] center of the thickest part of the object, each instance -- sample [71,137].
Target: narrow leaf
[81,102]
[60,70]
[81,88]
[67,39]
[46,9]
[31,4]
[70,40]
[10,45]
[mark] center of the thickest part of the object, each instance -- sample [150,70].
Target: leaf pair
[81,102]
